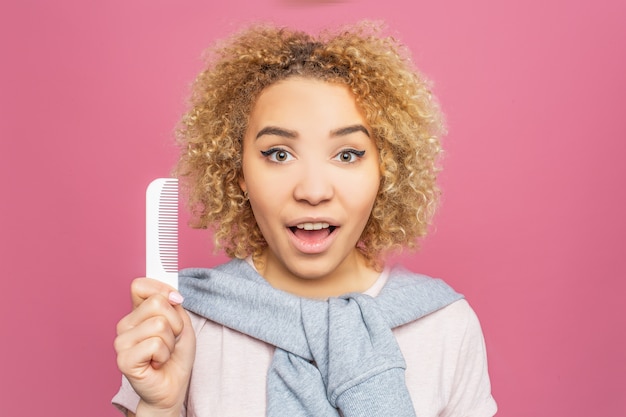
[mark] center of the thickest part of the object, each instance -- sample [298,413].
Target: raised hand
[155,347]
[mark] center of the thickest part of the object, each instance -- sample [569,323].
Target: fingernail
[175,297]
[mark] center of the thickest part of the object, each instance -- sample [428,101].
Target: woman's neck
[352,275]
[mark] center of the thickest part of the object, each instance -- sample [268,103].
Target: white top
[445,354]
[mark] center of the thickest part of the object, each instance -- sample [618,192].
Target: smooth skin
[311,171]
[308,158]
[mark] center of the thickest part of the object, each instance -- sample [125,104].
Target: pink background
[531,230]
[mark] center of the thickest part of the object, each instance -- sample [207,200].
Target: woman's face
[312,174]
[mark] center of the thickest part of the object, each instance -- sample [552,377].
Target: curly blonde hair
[395,98]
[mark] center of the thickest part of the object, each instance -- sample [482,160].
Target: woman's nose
[314,185]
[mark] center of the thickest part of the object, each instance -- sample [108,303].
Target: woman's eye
[277,155]
[349,155]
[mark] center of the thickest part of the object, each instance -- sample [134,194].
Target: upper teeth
[313,226]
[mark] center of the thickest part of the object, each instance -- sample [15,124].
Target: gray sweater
[331,355]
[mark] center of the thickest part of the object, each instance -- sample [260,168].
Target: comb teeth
[168,226]
[162,230]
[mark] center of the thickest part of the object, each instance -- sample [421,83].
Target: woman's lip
[312,220]
[315,246]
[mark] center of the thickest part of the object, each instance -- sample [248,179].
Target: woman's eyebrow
[277,131]
[291,134]
[350,129]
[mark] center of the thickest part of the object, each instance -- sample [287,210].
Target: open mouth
[312,231]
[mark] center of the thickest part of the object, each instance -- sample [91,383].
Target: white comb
[162,230]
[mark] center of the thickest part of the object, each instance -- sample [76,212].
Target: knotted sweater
[332,356]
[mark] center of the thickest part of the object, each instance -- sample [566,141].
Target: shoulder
[446,360]
[452,323]
[458,315]
[408,296]
[401,280]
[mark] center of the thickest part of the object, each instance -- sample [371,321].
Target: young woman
[312,158]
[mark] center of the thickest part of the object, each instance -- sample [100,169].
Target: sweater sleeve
[126,399]
[471,391]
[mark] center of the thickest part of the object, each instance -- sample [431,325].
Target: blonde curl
[394,96]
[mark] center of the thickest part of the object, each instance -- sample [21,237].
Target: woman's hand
[155,347]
